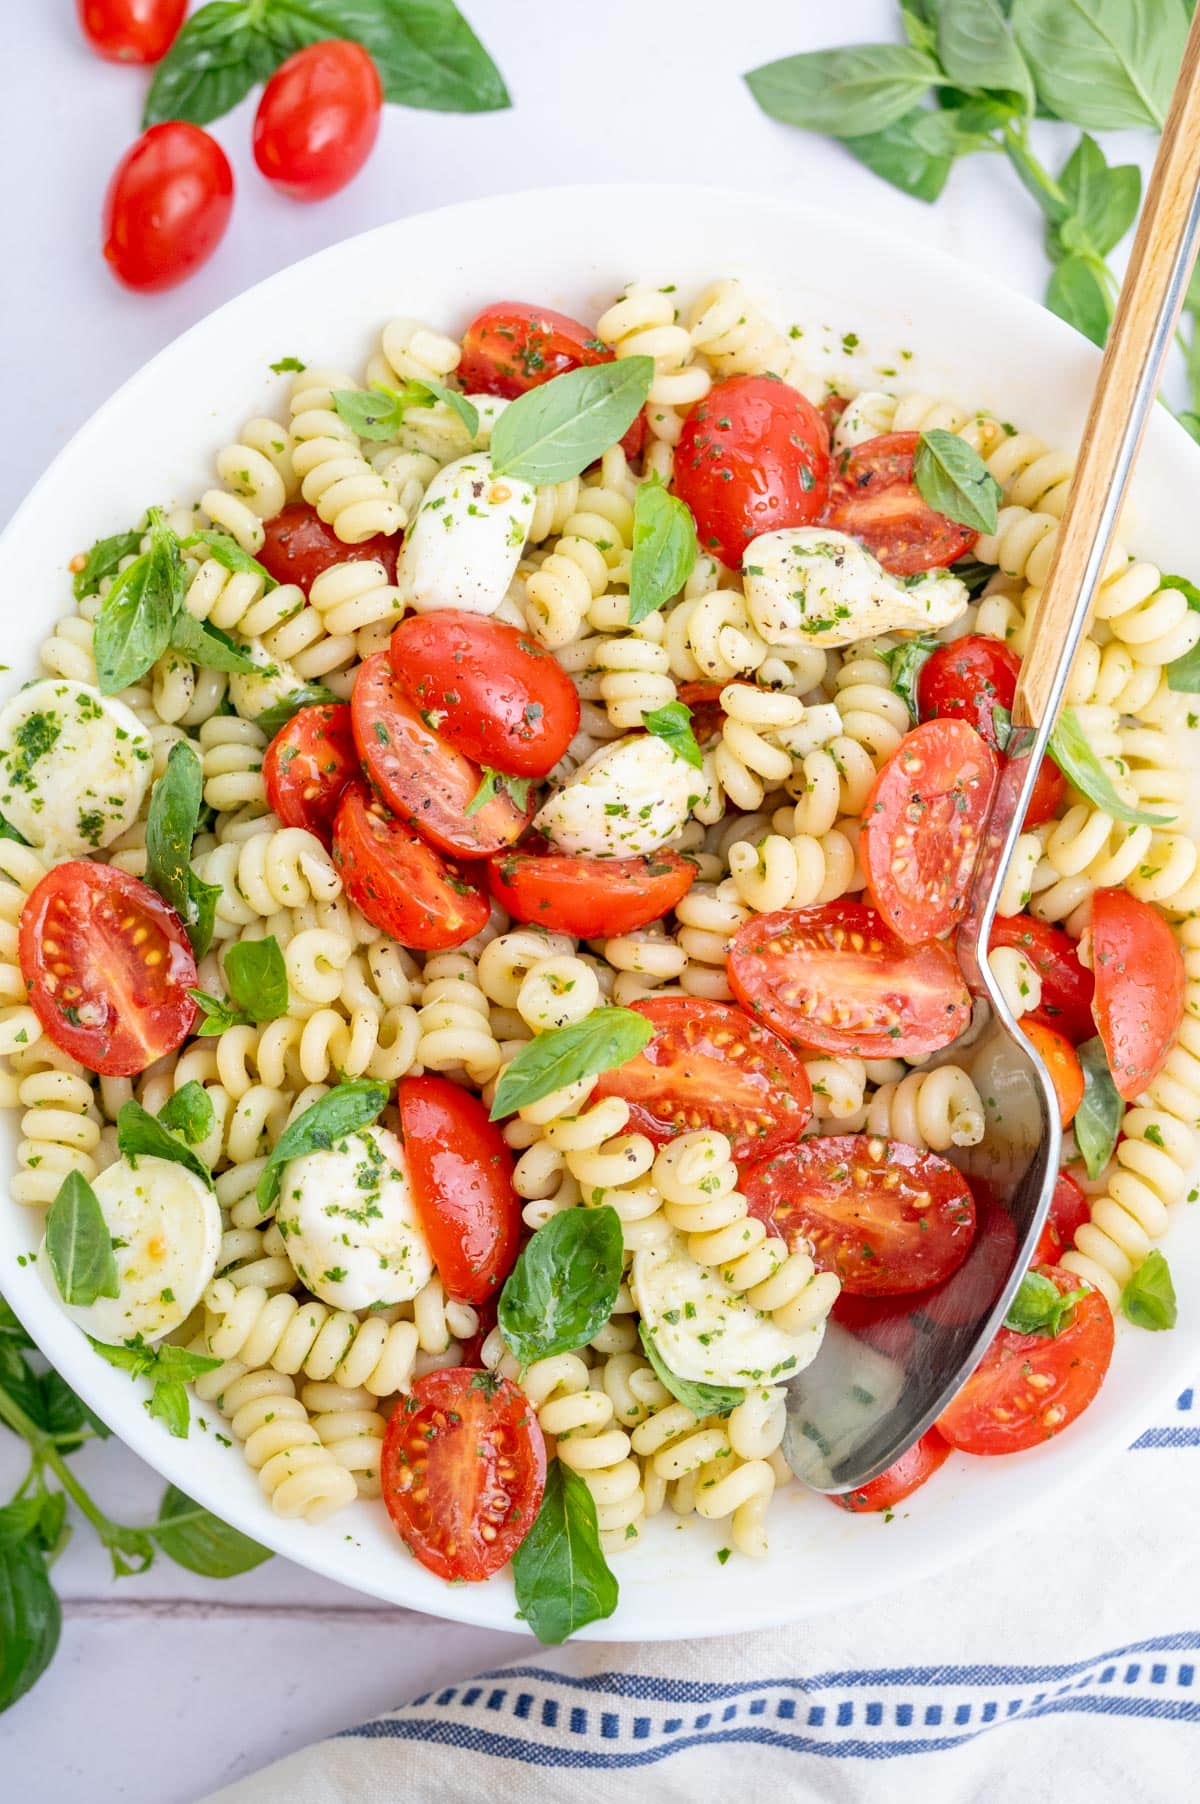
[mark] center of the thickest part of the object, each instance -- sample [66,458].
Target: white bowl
[935,325]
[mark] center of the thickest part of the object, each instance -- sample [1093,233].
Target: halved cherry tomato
[487,689]
[1028,1387]
[131,31]
[710,1066]
[704,702]
[1069,1209]
[1066,984]
[836,979]
[968,680]
[752,456]
[1060,1059]
[108,966]
[513,346]
[462,1182]
[308,764]
[463,1471]
[892,1324]
[887,1217]
[876,501]
[299,546]
[591,898]
[167,206]
[900,1480]
[318,119]
[399,882]
[422,778]
[922,825]
[1139,987]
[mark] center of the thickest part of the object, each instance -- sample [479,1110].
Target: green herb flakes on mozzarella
[75,766]
[350,1222]
[705,1331]
[627,799]
[463,548]
[809,585]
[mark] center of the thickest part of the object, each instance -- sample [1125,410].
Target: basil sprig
[142,1135]
[133,626]
[1098,1118]
[553,432]
[673,723]
[1079,764]
[952,477]
[563,1287]
[193,1537]
[664,549]
[171,824]
[1148,1299]
[377,413]
[258,988]
[560,1574]
[1039,1307]
[170,1369]
[341,1111]
[905,663]
[104,559]
[79,1245]
[561,1056]
[701,1399]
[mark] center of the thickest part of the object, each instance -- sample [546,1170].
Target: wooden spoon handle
[1151,296]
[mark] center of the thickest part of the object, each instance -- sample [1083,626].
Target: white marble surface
[166,1686]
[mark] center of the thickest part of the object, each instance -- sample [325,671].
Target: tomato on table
[513,346]
[131,31]
[399,882]
[874,499]
[968,680]
[461,1172]
[487,689]
[753,456]
[1061,1061]
[710,1066]
[590,898]
[901,1479]
[1067,986]
[922,826]
[421,777]
[167,206]
[298,547]
[885,1216]
[1069,1209]
[463,1469]
[307,766]
[1029,1387]
[1139,975]
[834,978]
[109,967]
[318,119]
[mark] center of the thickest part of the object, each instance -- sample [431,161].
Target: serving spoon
[860,1405]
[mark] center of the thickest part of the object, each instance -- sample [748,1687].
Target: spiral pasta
[335,477]
[934,1109]
[259,479]
[298,1474]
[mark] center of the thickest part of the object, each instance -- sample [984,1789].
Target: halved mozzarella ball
[350,1223]
[463,548]
[809,585]
[628,798]
[75,766]
[704,1330]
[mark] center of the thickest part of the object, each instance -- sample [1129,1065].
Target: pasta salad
[479,894]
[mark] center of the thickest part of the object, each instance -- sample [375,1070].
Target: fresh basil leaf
[426,53]
[19,1519]
[142,1135]
[956,131]
[130,1549]
[257,977]
[131,1356]
[218,1014]
[562,1055]
[664,549]
[1103,202]
[30,1619]
[1183,674]
[133,626]
[170,829]
[906,662]
[561,1576]
[897,156]
[562,1289]
[104,559]
[223,50]
[1039,1307]
[53,1532]
[79,1245]
[1077,293]
[847,92]
[196,1539]
[209,647]
[22,1383]
[179,1362]
[308,695]
[64,1413]
[227,551]
[12,1330]
[673,724]
[1002,726]
[168,1402]
[977,50]
[1148,1299]
[1098,1118]
[498,782]
[377,413]
[953,478]
[1079,764]
[973,574]
[467,412]
[918,17]
[343,1110]
[701,1399]
[1103,64]
[8,831]
[189,1112]
[553,432]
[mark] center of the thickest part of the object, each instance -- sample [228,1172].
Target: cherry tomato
[1069,1209]
[704,702]
[752,456]
[834,978]
[967,1295]
[1066,984]
[832,408]
[167,206]
[710,1066]
[472,1348]
[876,501]
[900,1480]
[462,1182]
[968,680]
[1029,1387]
[318,119]
[422,778]
[1139,987]
[922,826]
[885,1216]
[108,966]
[590,898]
[299,546]
[308,764]
[399,882]
[487,689]
[512,347]
[1059,1057]
[131,31]
[463,1471]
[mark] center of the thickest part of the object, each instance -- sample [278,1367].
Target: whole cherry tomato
[752,456]
[167,206]
[131,31]
[900,1480]
[968,680]
[318,119]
